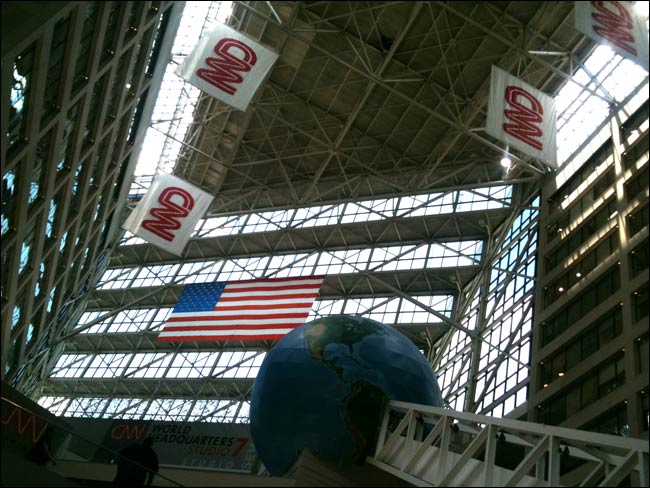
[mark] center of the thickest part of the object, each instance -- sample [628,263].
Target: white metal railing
[430,446]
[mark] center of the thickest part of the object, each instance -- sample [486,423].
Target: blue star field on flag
[200,297]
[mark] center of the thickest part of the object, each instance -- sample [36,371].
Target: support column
[634,413]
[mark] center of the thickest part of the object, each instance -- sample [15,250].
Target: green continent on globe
[362,410]
[319,335]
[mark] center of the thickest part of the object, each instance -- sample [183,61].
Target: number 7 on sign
[242,442]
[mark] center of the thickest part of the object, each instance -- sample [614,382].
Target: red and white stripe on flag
[168,213]
[617,25]
[253,310]
[228,66]
[522,116]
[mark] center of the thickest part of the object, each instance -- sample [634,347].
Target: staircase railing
[430,446]
[52,428]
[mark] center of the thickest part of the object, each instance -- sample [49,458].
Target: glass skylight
[361,211]
[174,108]
[353,260]
[581,114]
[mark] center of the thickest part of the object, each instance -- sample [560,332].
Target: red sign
[225,67]
[165,217]
[615,25]
[128,431]
[525,112]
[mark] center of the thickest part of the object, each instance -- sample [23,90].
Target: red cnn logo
[525,116]
[615,26]
[23,422]
[167,215]
[224,68]
[124,431]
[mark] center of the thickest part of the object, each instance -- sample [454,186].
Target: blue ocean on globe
[323,387]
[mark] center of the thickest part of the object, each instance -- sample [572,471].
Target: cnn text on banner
[228,66]
[168,213]
[522,116]
[617,25]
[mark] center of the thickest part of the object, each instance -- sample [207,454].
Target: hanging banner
[228,66]
[522,116]
[168,213]
[617,25]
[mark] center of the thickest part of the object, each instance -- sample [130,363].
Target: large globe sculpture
[324,385]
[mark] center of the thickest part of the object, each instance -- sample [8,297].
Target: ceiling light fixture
[505,160]
[549,53]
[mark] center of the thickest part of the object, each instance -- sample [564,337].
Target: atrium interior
[363,157]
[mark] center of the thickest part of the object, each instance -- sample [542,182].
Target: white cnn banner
[617,25]
[228,66]
[168,213]
[522,116]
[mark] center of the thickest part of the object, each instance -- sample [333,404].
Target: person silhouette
[41,453]
[132,463]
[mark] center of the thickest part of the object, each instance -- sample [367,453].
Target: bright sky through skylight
[177,99]
[581,112]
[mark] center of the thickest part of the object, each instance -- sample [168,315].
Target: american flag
[253,310]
